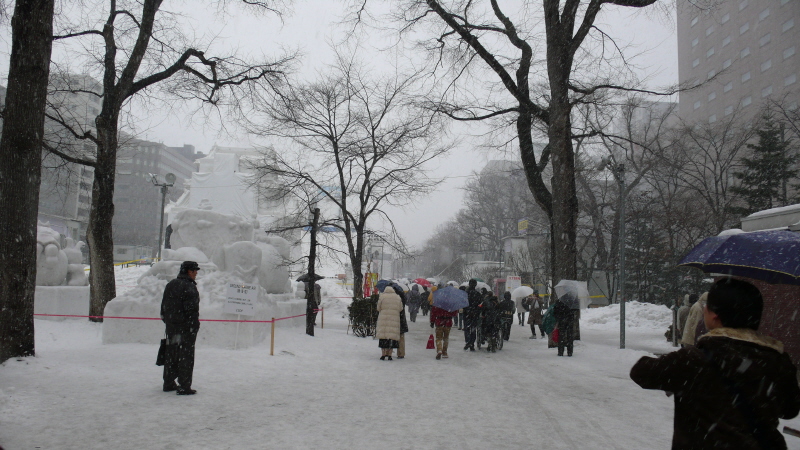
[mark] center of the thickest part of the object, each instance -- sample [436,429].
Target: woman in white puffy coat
[388,327]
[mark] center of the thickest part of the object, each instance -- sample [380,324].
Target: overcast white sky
[314,23]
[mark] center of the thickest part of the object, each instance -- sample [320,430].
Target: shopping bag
[555,335]
[162,353]
[431,344]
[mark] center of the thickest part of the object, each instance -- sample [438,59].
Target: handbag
[162,353]
[555,335]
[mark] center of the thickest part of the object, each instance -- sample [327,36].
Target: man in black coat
[732,387]
[507,308]
[565,316]
[180,311]
[472,314]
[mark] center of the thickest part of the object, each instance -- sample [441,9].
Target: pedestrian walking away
[472,315]
[441,321]
[387,329]
[733,386]
[507,308]
[180,312]
[414,301]
[565,316]
[522,308]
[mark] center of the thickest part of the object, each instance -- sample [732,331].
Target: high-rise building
[137,201]
[746,48]
[65,193]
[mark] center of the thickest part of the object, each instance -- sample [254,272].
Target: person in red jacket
[443,321]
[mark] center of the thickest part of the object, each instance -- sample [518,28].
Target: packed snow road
[332,391]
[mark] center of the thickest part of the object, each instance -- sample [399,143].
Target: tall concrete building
[65,192]
[137,201]
[750,46]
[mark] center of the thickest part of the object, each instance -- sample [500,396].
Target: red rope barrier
[157,318]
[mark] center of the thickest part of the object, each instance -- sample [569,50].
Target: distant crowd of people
[730,383]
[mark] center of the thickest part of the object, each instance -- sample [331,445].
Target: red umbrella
[422,282]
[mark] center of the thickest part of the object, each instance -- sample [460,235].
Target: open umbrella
[450,298]
[574,293]
[522,291]
[770,256]
[305,278]
[422,282]
[452,283]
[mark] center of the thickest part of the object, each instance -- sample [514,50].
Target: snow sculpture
[240,258]
[170,264]
[208,230]
[56,266]
[76,276]
[235,257]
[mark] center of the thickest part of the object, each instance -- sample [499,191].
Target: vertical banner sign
[513,282]
[522,227]
[241,299]
[370,281]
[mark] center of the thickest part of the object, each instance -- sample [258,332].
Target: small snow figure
[734,384]
[180,311]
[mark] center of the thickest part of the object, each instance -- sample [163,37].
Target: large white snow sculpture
[240,258]
[61,285]
[208,230]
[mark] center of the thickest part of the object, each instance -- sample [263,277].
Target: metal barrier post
[323,318]
[272,339]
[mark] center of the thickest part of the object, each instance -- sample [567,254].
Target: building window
[788,52]
[745,52]
[122,251]
[694,20]
[728,86]
[742,5]
[763,15]
[728,110]
[711,74]
[766,91]
[695,62]
[710,52]
[766,65]
[746,101]
[697,104]
[726,63]
[764,40]
[695,41]
[743,29]
[712,96]
[745,76]
[725,18]
[787,25]
[791,79]
[712,118]
[709,30]
[726,41]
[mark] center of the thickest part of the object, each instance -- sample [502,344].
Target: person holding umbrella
[565,316]
[446,302]
[472,314]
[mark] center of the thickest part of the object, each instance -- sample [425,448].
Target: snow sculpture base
[145,301]
[72,300]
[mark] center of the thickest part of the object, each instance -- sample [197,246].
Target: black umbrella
[305,278]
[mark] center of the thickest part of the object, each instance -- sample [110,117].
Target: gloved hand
[431,324]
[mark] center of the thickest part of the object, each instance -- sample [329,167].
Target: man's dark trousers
[179,361]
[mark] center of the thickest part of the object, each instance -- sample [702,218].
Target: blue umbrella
[450,298]
[772,256]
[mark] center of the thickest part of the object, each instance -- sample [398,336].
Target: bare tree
[543,69]
[20,173]
[356,143]
[133,59]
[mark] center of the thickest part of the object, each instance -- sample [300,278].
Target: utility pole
[169,181]
[311,298]
[618,170]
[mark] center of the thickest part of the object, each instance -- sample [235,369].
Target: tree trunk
[20,173]
[311,298]
[101,243]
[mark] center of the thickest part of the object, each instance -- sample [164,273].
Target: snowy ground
[331,391]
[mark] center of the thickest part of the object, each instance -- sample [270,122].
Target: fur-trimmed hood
[747,335]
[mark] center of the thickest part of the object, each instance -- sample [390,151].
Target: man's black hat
[189,265]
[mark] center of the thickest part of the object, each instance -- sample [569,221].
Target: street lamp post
[169,181]
[619,174]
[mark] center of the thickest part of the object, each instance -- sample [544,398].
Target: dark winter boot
[186,391]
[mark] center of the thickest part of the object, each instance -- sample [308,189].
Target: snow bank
[637,315]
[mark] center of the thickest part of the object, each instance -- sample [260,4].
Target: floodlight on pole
[618,170]
[169,181]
